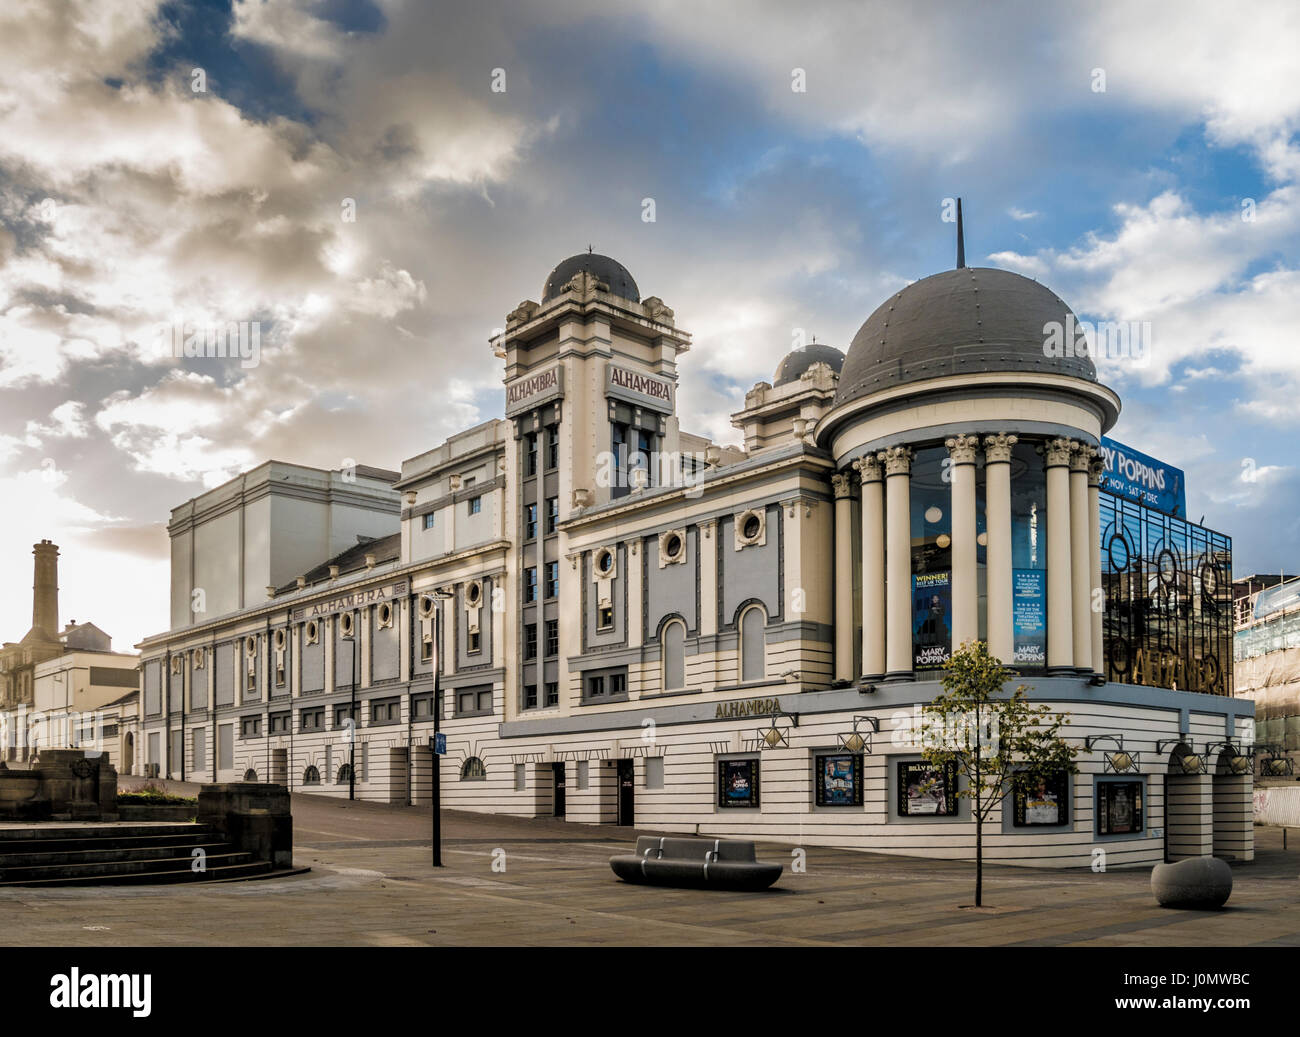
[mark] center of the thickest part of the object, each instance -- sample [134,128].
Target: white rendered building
[626,609]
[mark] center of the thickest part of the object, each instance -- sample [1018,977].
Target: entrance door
[626,794]
[557,772]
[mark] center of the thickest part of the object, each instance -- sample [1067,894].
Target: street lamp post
[439,596]
[352,729]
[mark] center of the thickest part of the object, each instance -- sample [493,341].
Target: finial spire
[590,250]
[961,240]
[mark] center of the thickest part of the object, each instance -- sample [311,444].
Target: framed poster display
[839,779]
[1119,807]
[738,783]
[1042,800]
[926,789]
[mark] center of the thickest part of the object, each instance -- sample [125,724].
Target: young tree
[999,742]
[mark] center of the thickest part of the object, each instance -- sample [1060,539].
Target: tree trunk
[979,861]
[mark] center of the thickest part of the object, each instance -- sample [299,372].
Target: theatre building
[633,625]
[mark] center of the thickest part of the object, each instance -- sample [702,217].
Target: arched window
[344,775]
[311,776]
[673,641]
[473,770]
[753,647]
[250,774]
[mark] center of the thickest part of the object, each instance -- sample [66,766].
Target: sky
[377,184]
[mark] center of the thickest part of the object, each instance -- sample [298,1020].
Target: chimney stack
[45,590]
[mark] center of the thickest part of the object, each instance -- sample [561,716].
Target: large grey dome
[795,363]
[971,320]
[611,271]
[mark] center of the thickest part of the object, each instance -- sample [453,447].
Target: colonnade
[1074,599]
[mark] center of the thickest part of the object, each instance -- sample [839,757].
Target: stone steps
[122,854]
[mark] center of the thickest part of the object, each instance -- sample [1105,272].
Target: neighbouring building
[66,689]
[1266,654]
[631,624]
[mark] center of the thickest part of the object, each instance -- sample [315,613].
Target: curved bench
[1195,882]
[695,863]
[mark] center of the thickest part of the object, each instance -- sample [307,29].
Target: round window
[473,593]
[673,545]
[605,561]
[751,528]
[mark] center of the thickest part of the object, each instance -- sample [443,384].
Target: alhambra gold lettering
[750,708]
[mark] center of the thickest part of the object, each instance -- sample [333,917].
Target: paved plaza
[371,884]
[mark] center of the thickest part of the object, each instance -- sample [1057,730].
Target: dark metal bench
[695,863]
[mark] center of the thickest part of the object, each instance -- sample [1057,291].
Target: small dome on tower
[795,363]
[611,271]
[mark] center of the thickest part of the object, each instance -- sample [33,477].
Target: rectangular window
[521,777]
[552,693]
[552,514]
[552,446]
[428,520]
[596,687]
[530,454]
[474,505]
[605,617]
[530,521]
[342,714]
[552,637]
[426,650]
[387,712]
[738,783]
[280,723]
[474,642]
[654,772]
[473,701]
[530,640]
[552,579]
[604,685]
[225,747]
[250,727]
[422,707]
[1040,800]
[838,779]
[1119,807]
[618,449]
[925,790]
[584,775]
[530,696]
[311,720]
[617,684]
[530,583]
[200,747]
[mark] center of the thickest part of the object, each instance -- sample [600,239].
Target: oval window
[673,546]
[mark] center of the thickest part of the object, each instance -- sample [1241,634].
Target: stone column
[897,462]
[1060,627]
[1095,470]
[997,558]
[965,589]
[843,487]
[873,566]
[1081,556]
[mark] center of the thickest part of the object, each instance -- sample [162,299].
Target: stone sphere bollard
[1197,882]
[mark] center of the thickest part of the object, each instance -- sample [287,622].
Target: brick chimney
[45,590]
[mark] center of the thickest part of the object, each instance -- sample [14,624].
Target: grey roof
[611,271]
[967,321]
[796,362]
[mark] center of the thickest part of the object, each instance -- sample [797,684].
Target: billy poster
[1029,617]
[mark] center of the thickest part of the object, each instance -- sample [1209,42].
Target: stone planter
[157,811]
[1197,882]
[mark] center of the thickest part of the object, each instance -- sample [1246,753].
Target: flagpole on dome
[961,240]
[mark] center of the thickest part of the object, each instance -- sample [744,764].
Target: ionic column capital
[1057,452]
[842,485]
[868,468]
[1081,455]
[897,460]
[962,448]
[997,448]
